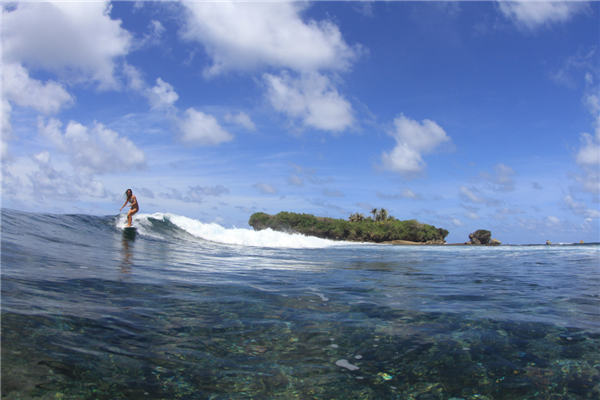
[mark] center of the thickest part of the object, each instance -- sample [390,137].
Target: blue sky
[465,115]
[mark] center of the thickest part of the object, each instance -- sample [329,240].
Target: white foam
[140,222]
[236,236]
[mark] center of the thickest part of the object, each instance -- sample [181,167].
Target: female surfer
[134,205]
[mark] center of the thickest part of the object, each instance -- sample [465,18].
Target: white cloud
[247,35]
[34,179]
[532,14]
[295,180]
[154,35]
[265,188]
[202,129]
[241,36]
[162,95]
[78,40]
[46,181]
[241,119]
[579,208]
[413,139]
[406,194]
[551,220]
[6,131]
[468,195]
[95,150]
[311,98]
[134,77]
[409,194]
[589,154]
[472,215]
[332,193]
[502,179]
[19,88]
[195,194]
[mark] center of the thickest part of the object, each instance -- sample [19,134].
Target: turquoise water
[186,310]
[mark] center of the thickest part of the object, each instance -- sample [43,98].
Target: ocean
[191,310]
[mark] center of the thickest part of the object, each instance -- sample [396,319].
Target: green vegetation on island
[379,228]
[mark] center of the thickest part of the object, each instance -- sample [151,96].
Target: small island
[380,228]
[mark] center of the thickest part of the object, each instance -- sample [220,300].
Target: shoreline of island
[380,228]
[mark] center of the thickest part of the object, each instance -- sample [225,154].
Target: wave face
[166,226]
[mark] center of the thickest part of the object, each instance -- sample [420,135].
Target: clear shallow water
[192,310]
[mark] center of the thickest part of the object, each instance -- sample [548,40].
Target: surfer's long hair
[128,194]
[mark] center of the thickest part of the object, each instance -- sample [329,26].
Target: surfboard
[129,232]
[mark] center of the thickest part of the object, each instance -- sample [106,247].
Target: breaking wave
[165,225]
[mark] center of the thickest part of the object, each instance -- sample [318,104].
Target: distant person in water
[134,205]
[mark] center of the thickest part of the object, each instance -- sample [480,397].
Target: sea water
[188,310]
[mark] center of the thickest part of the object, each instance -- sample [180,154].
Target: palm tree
[382,215]
[374,212]
[356,217]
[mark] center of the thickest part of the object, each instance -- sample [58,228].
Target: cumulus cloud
[265,188]
[216,190]
[532,14]
[134,77]
[588,156]
[94,149]
[243,36]
[195,194]
[470,195]
[502,179]
[579,208]
[202,129]
[36,178]
[162,95]
[405,194]
[241,119]
[153,36]
[413,139]
[6,132]
[295,180]
[19,88]
[472,215]
[240,36]
[312,98]
[77,40]
[48,182]
[333,193]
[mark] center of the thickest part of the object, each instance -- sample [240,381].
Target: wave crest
[163,225]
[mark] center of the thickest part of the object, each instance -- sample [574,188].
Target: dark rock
[480,236]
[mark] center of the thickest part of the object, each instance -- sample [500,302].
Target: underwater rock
[345,364]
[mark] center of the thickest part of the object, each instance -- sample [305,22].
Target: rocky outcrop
[480,236]
[483,237]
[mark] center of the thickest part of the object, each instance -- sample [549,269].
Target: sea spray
[214,232]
